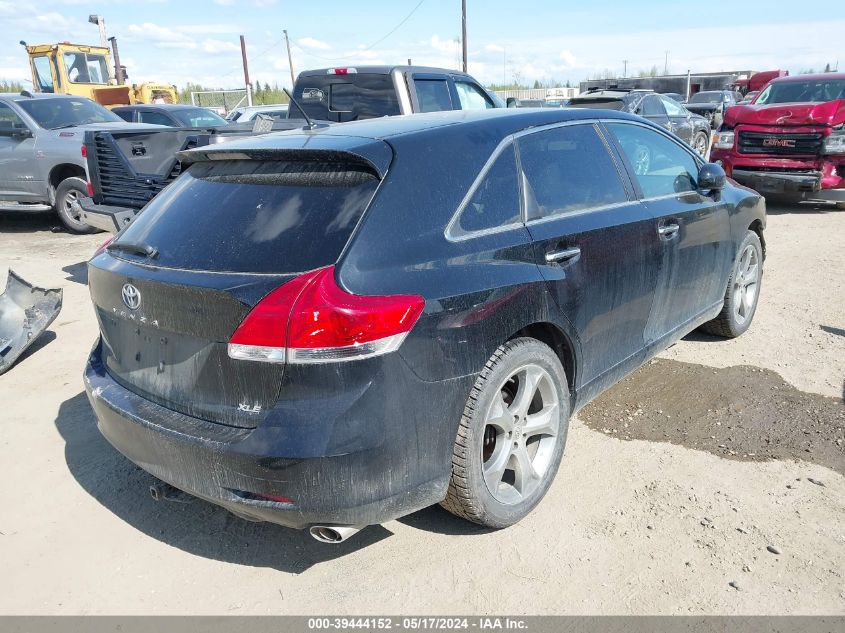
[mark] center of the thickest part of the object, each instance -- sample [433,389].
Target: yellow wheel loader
[87,71]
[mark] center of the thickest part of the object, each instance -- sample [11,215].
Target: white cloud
[494,48]
[310,42]
[568,59]
[219,46]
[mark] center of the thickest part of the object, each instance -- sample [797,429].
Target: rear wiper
[136,248]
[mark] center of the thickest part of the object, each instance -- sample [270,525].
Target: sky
[177,41]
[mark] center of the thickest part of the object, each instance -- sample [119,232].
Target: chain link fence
[222,101]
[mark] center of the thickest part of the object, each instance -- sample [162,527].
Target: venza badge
[131,296]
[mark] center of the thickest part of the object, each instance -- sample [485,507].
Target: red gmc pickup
[790,140]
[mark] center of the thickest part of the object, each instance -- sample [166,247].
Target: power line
[373,45]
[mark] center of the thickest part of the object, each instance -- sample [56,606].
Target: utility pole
[246,73]
[504,65]
[625,68]
[666,64]
[464,31]
[290,60]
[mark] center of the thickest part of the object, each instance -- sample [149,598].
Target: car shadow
[436,519]
[838,331]
[78,272]
[199,528]
[43,340]
[779,206]
[18,222]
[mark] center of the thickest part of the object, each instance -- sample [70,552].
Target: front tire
[511,436]
[743,291]
[71,190]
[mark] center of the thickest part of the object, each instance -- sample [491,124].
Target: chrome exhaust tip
[333,533]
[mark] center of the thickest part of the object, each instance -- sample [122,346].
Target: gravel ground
[652,518]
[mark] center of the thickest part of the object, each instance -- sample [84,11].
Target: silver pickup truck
[42,164]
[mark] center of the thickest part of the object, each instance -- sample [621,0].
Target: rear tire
[69,191]
[743,291]
[700,144]
[511,436]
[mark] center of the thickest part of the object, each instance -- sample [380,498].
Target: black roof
[371,139]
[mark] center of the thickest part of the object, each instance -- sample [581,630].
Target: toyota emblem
[131,296]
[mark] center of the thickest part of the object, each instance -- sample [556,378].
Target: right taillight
[310,319]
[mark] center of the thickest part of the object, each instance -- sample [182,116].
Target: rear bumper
[105,217]
[400,473]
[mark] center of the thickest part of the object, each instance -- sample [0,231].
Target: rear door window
[433,95]
[568,169]
[494,203]
[254,216]
[147,116]
[661,166]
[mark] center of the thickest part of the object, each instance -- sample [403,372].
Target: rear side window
[346,97]
[433,95]
[660,165]
[568,169]
[651,106]
[126,115]
[254,216]
[494,202]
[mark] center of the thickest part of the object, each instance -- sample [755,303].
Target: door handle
[564,255]
[668,230]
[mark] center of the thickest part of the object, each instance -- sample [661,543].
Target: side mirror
[711,177]
[512,102]
[16,132]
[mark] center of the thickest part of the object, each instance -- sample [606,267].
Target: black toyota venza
[332,328]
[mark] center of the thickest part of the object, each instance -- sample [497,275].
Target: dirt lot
[674,483]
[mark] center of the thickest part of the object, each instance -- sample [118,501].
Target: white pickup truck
[42,165]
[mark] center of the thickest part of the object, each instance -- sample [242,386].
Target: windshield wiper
[136,248]
[66,125]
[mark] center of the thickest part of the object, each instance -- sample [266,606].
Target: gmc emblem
[778,142]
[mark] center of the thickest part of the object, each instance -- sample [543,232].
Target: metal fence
[224,101]
[551,94]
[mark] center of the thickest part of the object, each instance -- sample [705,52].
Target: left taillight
[310,319]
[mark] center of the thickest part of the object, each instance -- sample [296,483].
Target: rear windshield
[253,217]
[346,97]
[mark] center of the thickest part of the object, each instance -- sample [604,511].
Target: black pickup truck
[127,169]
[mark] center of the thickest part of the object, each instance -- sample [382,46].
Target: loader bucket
[25,312]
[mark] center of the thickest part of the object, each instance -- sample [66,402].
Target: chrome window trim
[576,212]
[494,156]
[505,142]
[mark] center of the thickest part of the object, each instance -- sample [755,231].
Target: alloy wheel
[520,433]
[746,283]
[701,145]
[67,204]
